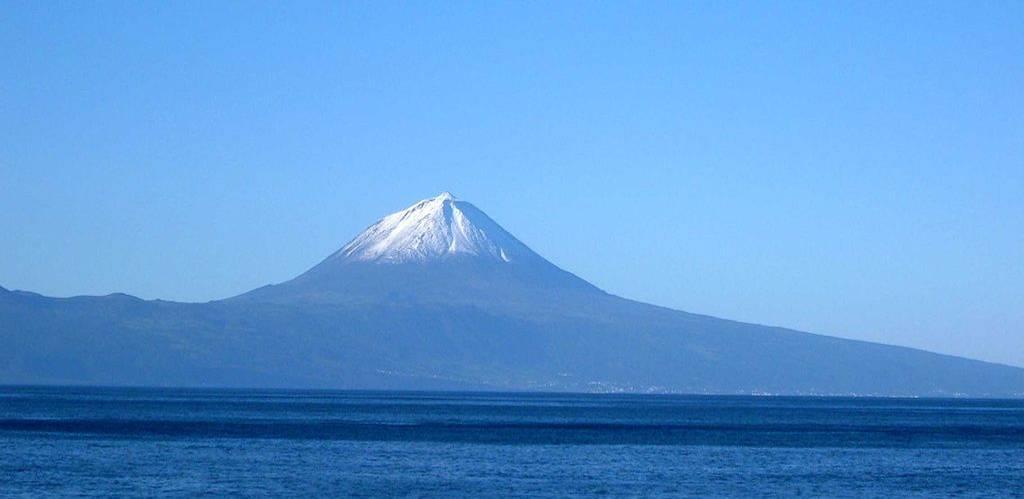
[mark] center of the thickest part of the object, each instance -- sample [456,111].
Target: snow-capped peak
[434,229]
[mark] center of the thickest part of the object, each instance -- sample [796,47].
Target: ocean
[101,442]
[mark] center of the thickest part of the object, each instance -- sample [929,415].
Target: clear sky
[846,168]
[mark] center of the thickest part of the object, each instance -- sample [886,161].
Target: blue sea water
[180,442]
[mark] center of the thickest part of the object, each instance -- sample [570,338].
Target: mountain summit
[434,229]
[439,296]
[440,249]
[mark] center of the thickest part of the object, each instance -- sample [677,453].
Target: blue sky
[846,168]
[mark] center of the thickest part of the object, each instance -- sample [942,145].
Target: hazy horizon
[792,166]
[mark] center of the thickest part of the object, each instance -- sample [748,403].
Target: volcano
[440,296]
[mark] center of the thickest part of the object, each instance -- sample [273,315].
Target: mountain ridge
[439,296]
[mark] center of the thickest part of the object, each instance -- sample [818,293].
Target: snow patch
[435,229]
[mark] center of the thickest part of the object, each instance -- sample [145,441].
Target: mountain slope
[438,296]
